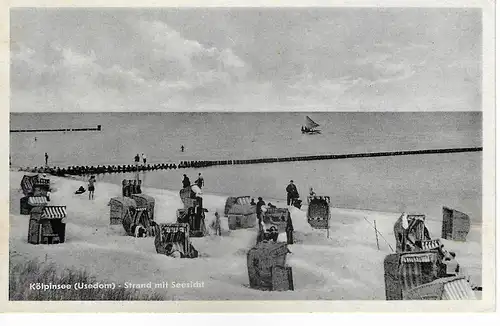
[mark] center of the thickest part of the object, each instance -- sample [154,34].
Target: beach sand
[347,266]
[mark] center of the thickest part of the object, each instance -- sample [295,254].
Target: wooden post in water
[328,224]
[376,233]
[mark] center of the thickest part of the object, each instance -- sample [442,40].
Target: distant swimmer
[35,139]
[182,148]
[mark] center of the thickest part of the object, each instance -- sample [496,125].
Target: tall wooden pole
[376,233]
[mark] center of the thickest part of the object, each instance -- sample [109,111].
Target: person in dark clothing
[186,182]
[252,202]
[260,204]
[80,190]
[134,187]
[124,187]
[139,190]
[46,159]
[129,188]
[182,148]
[137,159]
[291,193]
[289,230]
[273,233]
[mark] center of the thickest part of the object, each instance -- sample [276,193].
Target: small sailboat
[310,127]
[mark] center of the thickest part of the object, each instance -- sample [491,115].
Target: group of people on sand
[131,187]
[137,159]
[186,182]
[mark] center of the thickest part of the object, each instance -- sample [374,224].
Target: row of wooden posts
[82,170]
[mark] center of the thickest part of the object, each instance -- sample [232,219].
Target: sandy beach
[347,266]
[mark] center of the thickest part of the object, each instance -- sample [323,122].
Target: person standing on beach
[46,159]
[91,187]
[124,187]
[200,182]
[218,230]
[258,209]
[137,159]
[144,158]
[186,182]
[291,193]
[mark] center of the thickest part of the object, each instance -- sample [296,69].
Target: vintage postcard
[212,157]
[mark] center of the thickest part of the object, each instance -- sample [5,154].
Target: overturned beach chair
[28,203]
[178,236]
[47,225]
[120,207]
[456,225]
[449,288]
[318,211]
[267,269]
[422,276]
[240,213]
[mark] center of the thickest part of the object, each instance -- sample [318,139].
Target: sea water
[420,183]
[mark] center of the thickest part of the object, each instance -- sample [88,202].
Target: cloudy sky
[343,59]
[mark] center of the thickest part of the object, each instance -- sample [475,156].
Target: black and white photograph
[247,153]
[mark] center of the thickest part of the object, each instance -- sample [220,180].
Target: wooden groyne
[101,169]
[98,128]
[198,164]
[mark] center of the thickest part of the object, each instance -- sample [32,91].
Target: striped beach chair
[177,235]
[47,225]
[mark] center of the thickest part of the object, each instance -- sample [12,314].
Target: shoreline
[275,200]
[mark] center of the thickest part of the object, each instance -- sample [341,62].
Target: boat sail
[310,127]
